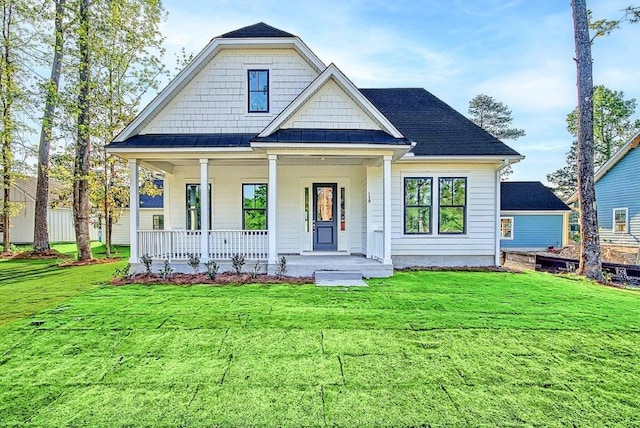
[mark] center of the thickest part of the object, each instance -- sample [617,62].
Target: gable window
[506,227]
[193,207]
[453,205]
[620,220]
[417,205]
[258,91]
[158,222]
[254,207]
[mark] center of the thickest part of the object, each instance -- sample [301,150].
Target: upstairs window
[453,205]
[620,220]
[258,91]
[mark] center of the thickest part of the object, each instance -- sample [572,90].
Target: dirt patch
[89,262]
[37,255]
[202,278]
[609,254]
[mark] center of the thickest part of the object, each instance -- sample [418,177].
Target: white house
[296,161]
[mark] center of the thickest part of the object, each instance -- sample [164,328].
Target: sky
[518,51]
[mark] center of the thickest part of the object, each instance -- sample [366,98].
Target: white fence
[377,246]
[223,244]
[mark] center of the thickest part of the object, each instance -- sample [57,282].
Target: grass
[419,349]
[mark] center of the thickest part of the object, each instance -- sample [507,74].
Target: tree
[495,118]
[41,227]
[590,256]
[613,125]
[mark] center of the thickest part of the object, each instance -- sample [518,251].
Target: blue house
[532,217]
[618,197]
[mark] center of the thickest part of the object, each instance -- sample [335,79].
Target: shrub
[281,267]
[125,272]
[194,262]
[256,270]
[212,269]
[166,270]
[237,261]
[146,261]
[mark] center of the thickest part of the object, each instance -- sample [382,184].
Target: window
[193,206]
[343,224]
[417,205]
[158,222]
[506,227]
[258,91]
[620,220]
[453,200]
[254,207]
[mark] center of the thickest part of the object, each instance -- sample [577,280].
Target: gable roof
[256,30]
[57,195]
[333,73]
[633,143]
[437,128]
[529,196]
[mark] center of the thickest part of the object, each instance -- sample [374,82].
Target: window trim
[626,220]
[507,238]
[405,206]
[464,207]
[187,209]
[243,209]
[249,91]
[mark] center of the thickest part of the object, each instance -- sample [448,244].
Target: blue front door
[325,219]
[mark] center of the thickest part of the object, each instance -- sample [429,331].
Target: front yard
[421,348]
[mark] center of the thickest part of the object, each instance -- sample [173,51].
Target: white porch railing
[377,246]
[223,244]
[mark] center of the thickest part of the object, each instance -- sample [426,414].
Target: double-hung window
[506,227]
[620,220]
[452,205]
[417,205]
[193,207]
[254,206]
[158,222]
[258,91]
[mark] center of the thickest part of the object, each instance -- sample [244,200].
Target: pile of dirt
[36,255]
[203,278]
[609,254]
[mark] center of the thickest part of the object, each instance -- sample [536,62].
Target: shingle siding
[620,188]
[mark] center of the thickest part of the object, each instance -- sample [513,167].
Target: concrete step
[339,278]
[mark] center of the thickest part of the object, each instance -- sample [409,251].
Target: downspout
[505,164]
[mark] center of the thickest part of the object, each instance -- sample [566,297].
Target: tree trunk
[83,143]
[590,262]
[41,227]
[6,79]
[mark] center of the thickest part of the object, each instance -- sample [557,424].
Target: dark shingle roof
[331,136]
[256,30]
[185,140]
[437,128]
[529,196]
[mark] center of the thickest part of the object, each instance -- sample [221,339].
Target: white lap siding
[475,247]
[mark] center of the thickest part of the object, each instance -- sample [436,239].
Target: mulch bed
[89,262]
[203,278]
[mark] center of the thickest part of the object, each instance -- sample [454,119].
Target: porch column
[386,172]
[272,199]
[134,212]
[204,210]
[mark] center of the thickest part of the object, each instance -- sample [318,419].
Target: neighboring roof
[331,136]
[57,196]
[185,141]
[157,201]
[633,143]
[256,30]
[529,196]
[437,128]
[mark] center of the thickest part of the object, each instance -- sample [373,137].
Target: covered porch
[355,189]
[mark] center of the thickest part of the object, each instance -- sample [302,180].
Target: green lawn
[427,348]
